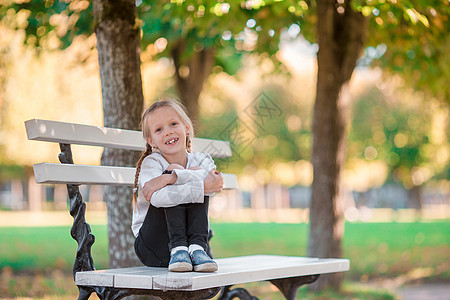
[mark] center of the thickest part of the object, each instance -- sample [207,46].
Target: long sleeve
[182,192]
[175,194]
[198,159]
[189,187]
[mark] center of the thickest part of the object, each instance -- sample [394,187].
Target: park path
[412,291]
[429,291]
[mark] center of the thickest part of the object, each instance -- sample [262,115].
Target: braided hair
[169,101]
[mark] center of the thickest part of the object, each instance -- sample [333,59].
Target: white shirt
[187,189]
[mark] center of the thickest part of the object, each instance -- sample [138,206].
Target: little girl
[173,186]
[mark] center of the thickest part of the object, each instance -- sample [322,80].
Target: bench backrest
[78,134]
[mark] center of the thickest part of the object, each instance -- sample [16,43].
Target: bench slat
[138,279]
[52,173]
[234,270]
[106,277]
[79,134]
[100,278]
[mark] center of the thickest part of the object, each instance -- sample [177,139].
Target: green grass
[375,249]
[42,248]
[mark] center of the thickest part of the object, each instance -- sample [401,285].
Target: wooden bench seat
[285,272]
[233,270]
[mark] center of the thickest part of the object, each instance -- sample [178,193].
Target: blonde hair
[168,101]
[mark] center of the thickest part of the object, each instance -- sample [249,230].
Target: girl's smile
[172,141]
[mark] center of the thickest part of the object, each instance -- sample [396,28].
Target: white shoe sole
[180,267]
[206,267]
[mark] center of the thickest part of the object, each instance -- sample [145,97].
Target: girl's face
[167,131]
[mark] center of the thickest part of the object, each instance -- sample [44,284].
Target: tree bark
[341,37]
[118,46]
[191,75]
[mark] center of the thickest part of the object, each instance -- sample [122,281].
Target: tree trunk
[341,39]
[191,75]
[415,198]
[118,48]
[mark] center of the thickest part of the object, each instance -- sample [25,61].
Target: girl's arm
[203,164]
[213,182]
[160,182]
[176,194]
[161,190]
[206,171]
[157,183]
[190,192]
[182,186]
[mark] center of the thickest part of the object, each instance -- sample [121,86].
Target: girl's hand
[213,182]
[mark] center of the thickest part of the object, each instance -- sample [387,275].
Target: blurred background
[396,176]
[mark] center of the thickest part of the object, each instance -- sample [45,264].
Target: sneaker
[180,262]
[202,262]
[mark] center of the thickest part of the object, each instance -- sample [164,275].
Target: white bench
[286,272]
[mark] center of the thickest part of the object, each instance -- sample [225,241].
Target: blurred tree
[196,35]
[341,35]
[207,36]
[55,24]
[410,39]
[406,134]
[343,29]
[118,46]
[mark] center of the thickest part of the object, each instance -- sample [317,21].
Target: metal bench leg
[80,231]
[240,293]
[290,286]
